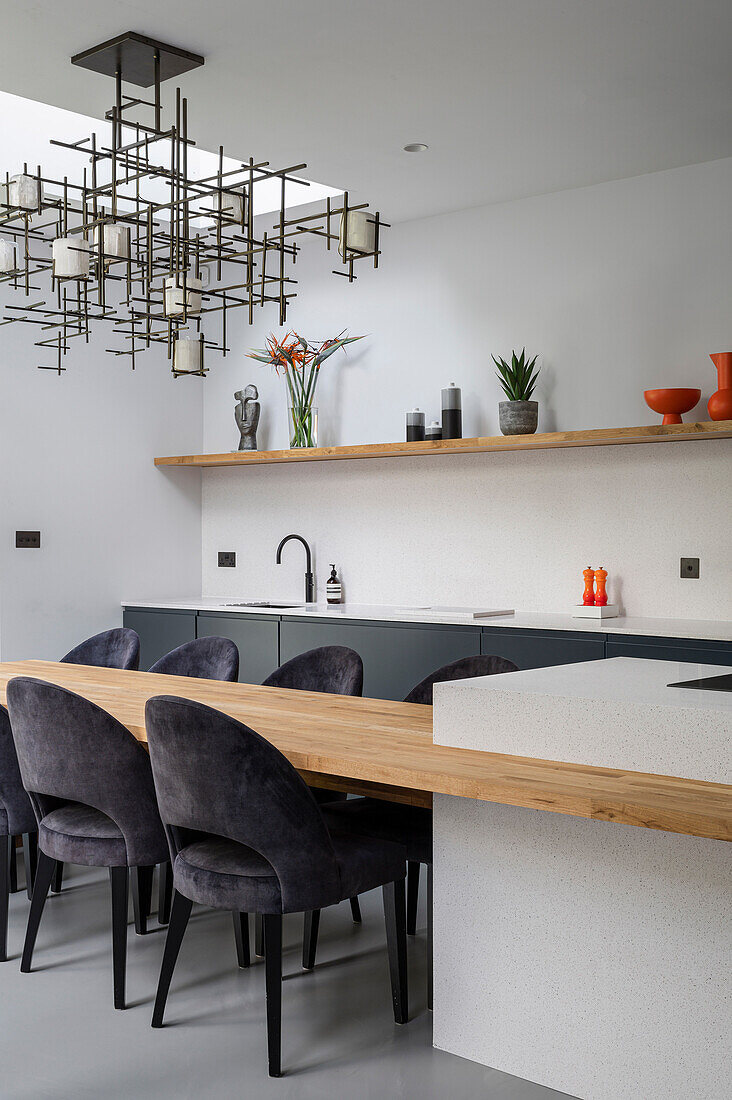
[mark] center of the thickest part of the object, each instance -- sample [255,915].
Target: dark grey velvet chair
[207,658]
[331,669]
[246,834]
[334,670]
[91,788]
[16,819]
[211,658]
[409,825]
[117,648]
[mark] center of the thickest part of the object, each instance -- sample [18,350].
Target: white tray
[609,611]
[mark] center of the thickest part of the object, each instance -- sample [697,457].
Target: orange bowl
[671,403]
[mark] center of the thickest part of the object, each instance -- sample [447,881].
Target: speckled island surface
[562,944]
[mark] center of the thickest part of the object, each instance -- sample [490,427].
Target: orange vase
[719,406]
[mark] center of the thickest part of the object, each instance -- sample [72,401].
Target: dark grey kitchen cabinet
[396,656]
[670,649]
[159,630]
[255,635]
[538,649]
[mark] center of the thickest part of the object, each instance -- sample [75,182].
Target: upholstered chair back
[207,658]
[464,669]
[334,669]
[70,750]
[118,648]
[16,812]
[214,775]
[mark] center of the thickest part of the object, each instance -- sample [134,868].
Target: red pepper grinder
[601,594]
[588,599]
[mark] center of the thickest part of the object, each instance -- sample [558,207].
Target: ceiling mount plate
[134,55]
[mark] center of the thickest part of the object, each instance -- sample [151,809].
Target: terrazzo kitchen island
[586,955]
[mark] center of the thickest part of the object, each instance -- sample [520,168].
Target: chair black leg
[165,892]
[429,935]
[241,936]
[310,938]
[273,987]
[30,859]
[355,911]
[44,874]
[412,897]
[179,914]
[13,865]
[396,942]
[58,878]
[142,882]
[119,878]
[5,847]
[258,934]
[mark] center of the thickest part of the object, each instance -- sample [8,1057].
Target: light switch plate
[227,559]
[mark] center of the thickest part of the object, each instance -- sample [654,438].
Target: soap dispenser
[333,587]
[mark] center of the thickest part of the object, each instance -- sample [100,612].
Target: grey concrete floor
[60,1036]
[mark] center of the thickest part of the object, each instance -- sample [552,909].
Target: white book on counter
[480,613]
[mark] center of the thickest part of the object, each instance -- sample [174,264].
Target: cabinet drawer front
[257,639]
[670,649]
[160,631]
[534,649]
[395,656]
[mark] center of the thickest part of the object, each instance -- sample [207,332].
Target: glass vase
[302,425]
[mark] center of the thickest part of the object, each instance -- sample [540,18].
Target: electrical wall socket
[27,540]
[227,559]
[690,568]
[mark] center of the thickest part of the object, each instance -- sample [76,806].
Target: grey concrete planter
[518,417]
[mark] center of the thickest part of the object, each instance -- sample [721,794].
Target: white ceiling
[514,97]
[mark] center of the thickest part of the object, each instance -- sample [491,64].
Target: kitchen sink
[263,603]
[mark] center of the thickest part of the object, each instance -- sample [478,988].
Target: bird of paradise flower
[300,363]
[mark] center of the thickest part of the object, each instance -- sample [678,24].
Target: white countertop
[618,713]
[708,630]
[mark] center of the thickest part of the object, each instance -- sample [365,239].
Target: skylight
[27,126]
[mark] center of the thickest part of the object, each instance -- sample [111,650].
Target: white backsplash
[510,530]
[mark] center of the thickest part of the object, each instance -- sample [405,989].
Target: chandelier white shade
[360,228]
[115,240]
[23,192]
[231,206]
[187,356]
[7,258]
[70,258]
[178,300]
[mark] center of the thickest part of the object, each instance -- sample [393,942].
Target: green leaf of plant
[323,355]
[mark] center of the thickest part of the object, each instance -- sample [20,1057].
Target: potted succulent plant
[519,414]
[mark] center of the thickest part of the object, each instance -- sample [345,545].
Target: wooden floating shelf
[597,437]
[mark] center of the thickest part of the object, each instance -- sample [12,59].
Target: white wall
[76,457]
[619,287]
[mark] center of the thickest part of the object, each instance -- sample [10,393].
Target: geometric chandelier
[144,246]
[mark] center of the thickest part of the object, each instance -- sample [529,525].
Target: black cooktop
[708,683]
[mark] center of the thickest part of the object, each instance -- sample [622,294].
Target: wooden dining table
[385,749]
